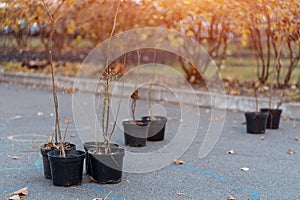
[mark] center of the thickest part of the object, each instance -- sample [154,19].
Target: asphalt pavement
[26,120]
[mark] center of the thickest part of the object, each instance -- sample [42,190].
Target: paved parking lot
[26,120]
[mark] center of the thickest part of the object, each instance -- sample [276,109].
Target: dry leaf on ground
[69,90]
[39,113]
[17,117]
[72,135]
[296,139]
[291,151]
[245,169]
[178,162]
[181,194]
[68,121]
[262,138]
[15,158]
[23,191]
[230,197]
[231,151]
[15,197]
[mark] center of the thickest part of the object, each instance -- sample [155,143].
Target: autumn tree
[17,16]
[289,29]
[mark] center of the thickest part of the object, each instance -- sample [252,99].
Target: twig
[65,133]
[57,125]
[118,111]
[106,101]
[275,66]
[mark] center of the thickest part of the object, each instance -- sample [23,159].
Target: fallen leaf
[39,113]
[181,194]
[69,90]
[72,135]
[286,119]
[15,197]
[294,125]
[23,191]
[245,169]
[17,117]
[230,197]
[262,138]
[68,121]
[296,139]
[243,123]
[178,162]
[291,151]
[15,158]
[231,151]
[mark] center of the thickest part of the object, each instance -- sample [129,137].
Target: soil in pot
[45,149]
[107,168]
[157,127]
[135,133]
[66,171]
[273,118]
[89,145]
[256,122]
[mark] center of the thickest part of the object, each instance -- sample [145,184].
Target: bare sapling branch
[53,21]
[276,63]
[67,121]
[150,87]
[105,120]
[135,95]
[119,103]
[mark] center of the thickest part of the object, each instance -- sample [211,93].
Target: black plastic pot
[256,122]
[135,133]
[107,168]
[66,171]
[89,145]
[46,164]
[157,127]
[273,118]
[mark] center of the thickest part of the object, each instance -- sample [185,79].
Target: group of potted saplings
[267,118]
[104,160]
